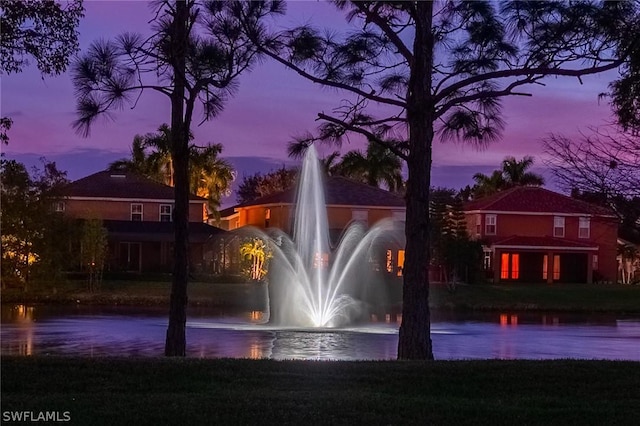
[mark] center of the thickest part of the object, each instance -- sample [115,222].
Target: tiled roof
[229,211]
[517,240]
[536,200]
[339,191]
[120,184]
[158,231]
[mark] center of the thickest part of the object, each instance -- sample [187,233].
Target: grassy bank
[178,391]
[139,293]
[528,297]
[539,297]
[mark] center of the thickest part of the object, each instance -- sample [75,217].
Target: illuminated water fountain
[311,283]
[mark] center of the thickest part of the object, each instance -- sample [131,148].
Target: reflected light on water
[136,332]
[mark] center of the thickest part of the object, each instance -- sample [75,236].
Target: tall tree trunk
[414,340]
[175,344]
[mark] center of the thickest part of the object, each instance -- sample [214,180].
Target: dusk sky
[271,107]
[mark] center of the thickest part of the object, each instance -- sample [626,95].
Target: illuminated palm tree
[210,176]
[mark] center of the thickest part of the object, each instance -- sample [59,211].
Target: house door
[130,256]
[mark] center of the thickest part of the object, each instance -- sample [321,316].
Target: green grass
[139,293]
[539,297]
[190,391]
[583,298]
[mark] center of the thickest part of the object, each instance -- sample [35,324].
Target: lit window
[389,262]
[136,212]
[267,217]
[400,262]
[490,224]
[558,226]
[504,266]
[584,228]
[545,267]
[478,224]
[510,266]
[165,213]
[60,206]
[556,267]
[515,266]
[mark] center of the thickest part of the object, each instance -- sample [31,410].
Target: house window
[545,267]
[504,266]
[487,258]
[556,267]
[558,226]
[510,266]
[400,262]
[60,206]
[584,227]
[267,217]
[389,261]
[515,266]
[165,213]
[490,224]
[360,216]
[478,224]
[595,262]
[136,212]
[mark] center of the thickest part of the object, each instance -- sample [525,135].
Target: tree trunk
[414,340]
[175,344]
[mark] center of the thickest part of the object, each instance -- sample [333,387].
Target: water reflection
[140,332]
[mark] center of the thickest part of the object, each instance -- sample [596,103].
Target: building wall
[121,210]
[603,233]
[339,217]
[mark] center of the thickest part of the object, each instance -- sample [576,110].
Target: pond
[94,331]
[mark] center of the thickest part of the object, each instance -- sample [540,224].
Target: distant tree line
[39,242]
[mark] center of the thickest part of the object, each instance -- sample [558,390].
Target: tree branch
[386,29]
[369,95]
[541,71]
[369,135]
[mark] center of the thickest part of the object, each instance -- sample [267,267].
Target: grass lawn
[542,297]
[108,391]
[582,298]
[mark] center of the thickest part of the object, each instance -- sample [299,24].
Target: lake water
[92,331]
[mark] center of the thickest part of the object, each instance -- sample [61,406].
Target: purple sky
[271,106]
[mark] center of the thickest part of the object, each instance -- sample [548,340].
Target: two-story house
[531,234]
[138,214]
[346,201]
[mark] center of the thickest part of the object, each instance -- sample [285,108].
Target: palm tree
[210,176]
[487,185]
[331,164]
[513,173]
[516,174]
[160,161]
[378,166]
[138,162]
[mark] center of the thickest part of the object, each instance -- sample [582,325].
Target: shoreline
[564,298]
